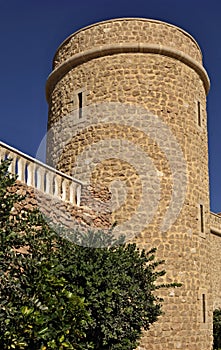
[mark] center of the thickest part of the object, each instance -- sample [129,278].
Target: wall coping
[128,19]
[215,214]
[215,230]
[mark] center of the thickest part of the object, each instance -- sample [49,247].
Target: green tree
[55,294]
[39,309]
[217,329]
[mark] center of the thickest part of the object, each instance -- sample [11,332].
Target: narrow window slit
[80,104]
[199,113]
[201,218]
[204,307]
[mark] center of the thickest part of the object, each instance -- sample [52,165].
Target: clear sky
[30,32]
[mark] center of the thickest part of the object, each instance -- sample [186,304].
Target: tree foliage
[39,308]
[55,294]
[217,329]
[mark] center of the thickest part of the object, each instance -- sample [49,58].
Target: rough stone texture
[90,147]
[60,212]
[127,30]
[215,241]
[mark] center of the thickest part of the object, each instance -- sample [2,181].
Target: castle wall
[127,117]
[127,30]
[216,270]
[58,212]
[59,197]
[84,218]
[215,243]
[143,90]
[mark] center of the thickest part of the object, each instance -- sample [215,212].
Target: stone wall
[84,218]
[143,128]
[60,212]
[215,241]
[127,30]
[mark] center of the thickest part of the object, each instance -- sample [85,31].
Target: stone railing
[215,223]
[42,177]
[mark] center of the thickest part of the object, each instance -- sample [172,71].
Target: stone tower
[127,104]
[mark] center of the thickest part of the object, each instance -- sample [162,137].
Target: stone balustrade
[42,177]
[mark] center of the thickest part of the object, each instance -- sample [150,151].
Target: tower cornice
[121,48]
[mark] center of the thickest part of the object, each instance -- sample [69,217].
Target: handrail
[41,176]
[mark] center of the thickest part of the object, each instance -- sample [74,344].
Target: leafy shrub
[39,308]
[55,294]
[217,329]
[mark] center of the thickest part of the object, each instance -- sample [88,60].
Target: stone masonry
[127,117]
[132,77]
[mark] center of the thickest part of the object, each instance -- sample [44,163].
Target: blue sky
[30,32]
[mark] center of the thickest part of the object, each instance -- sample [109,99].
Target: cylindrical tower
[127,103]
